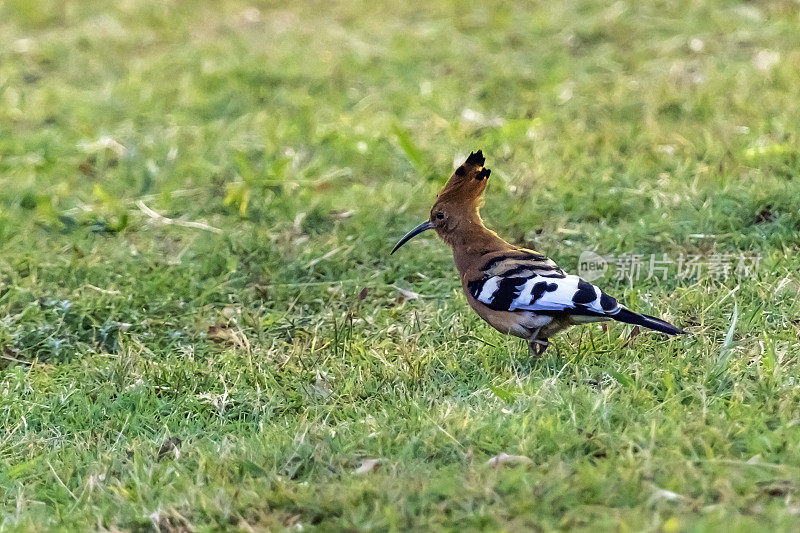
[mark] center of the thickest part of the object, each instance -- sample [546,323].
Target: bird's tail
[629,317]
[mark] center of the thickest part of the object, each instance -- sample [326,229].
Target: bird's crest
[468,182]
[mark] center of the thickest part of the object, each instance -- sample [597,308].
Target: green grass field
[201,327]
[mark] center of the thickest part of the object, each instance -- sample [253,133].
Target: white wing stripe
[524,295]
[488,290]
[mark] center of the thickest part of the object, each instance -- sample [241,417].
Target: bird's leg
[543,344]
[536,345]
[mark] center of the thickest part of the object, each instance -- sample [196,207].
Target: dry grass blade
[506,459]
[177,222]
[224,334]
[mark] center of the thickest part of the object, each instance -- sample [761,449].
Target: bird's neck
[471,239]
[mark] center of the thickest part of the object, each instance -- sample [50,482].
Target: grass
[234,375]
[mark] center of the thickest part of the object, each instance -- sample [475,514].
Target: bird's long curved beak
[413,233]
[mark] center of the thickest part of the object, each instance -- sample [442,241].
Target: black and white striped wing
[525,280]
[522,280]
[544,295]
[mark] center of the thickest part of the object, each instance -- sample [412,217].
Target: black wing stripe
[475,287]
[527,256]
[585,293]
[527,270]
[607,302]
[502,268]
[558,273]
[493,261]
[540,288]
[506,293]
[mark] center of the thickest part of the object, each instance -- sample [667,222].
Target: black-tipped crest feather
[476,158]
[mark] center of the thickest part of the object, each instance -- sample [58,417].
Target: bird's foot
[538,346]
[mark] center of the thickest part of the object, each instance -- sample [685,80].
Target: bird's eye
[440,215]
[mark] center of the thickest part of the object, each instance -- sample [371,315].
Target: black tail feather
[629,317]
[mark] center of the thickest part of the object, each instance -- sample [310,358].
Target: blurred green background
[201,328]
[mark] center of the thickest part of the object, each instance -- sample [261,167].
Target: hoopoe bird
[516,290]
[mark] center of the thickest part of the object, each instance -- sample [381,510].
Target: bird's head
[456,208]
